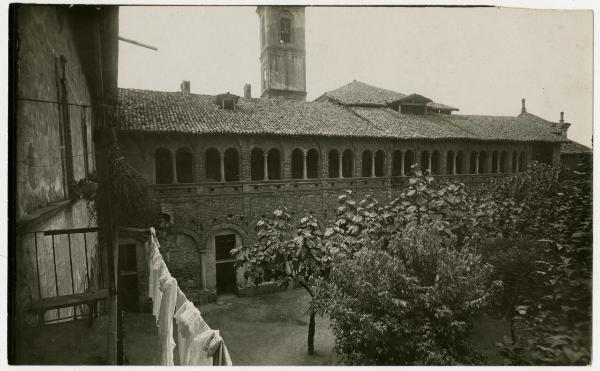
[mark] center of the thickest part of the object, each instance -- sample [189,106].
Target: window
[163,162]
[297,163]
[348,164]
[229,104]
[334,167]
[435,163]
[503,162]
[459,163]
[274,164]
[257,166]
[183,166]
[473,163]
[409,161]
[66,146]
[232,165]
[397,165]
[450,157]
[285,30]
[212,165]
[312,164]
[379,163]
[367,158]
[223,246]
[425,161]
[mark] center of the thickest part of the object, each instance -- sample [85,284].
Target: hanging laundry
[221,356]
[168,287]
[189,324]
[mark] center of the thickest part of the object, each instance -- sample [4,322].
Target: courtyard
[271,329]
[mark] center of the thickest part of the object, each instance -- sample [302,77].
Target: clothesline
[197,343]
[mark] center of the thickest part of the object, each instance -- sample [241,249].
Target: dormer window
[414,104]
[227,101]
[285,30]
[229,104]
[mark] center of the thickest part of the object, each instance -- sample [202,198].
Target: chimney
[185,87]
[563,126]
[247,91]
[523,109]
[562,117]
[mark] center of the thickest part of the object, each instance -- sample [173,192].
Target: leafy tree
[288,254]
[552,309]
[411,303]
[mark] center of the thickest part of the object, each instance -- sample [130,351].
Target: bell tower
[282,52]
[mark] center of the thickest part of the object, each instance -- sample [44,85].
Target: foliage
[409,304]
[287,253]
[552,309]
[132,204]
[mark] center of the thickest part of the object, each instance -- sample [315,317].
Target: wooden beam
[137,43]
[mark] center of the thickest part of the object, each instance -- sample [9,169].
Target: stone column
[429,162]
[402,165]
[454,164]
[372,164]
[477,163]
[222,157]
[340,163]
[304,169]
[174,157]
[266,165]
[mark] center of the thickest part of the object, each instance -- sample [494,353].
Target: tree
[288,254]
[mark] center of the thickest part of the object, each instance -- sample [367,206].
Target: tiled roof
[513,128]
[571,147]
[145,110]
[357,93]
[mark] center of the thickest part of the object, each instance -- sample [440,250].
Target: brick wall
[203,209]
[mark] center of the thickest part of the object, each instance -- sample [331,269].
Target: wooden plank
[71,230]
[64,301]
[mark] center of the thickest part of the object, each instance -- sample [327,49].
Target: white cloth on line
[189,324]
[168,286]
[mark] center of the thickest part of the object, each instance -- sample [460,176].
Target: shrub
[409,304]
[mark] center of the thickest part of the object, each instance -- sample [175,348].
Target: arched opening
[257,164]
[312,163]
[409,161]
[184,165]
[483,162]
[450,164]
[425,161]
[212,165]
[495,164]
[333,164]
[348,164]
[397,164]
[435,163]
[459,163]
[297,163]
[274,164]
[379,163]
[522,162]
[367,158]
[232,165]
[515,162]
[503,162]
[473,163]
[163,162]
[285,30]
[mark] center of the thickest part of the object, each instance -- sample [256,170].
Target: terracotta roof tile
[571,147]
[145,110]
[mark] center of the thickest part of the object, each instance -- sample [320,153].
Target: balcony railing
[301,185]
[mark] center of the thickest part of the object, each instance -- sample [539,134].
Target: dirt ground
[266,329]
[272,330]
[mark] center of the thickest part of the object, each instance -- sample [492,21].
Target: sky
[481,60]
